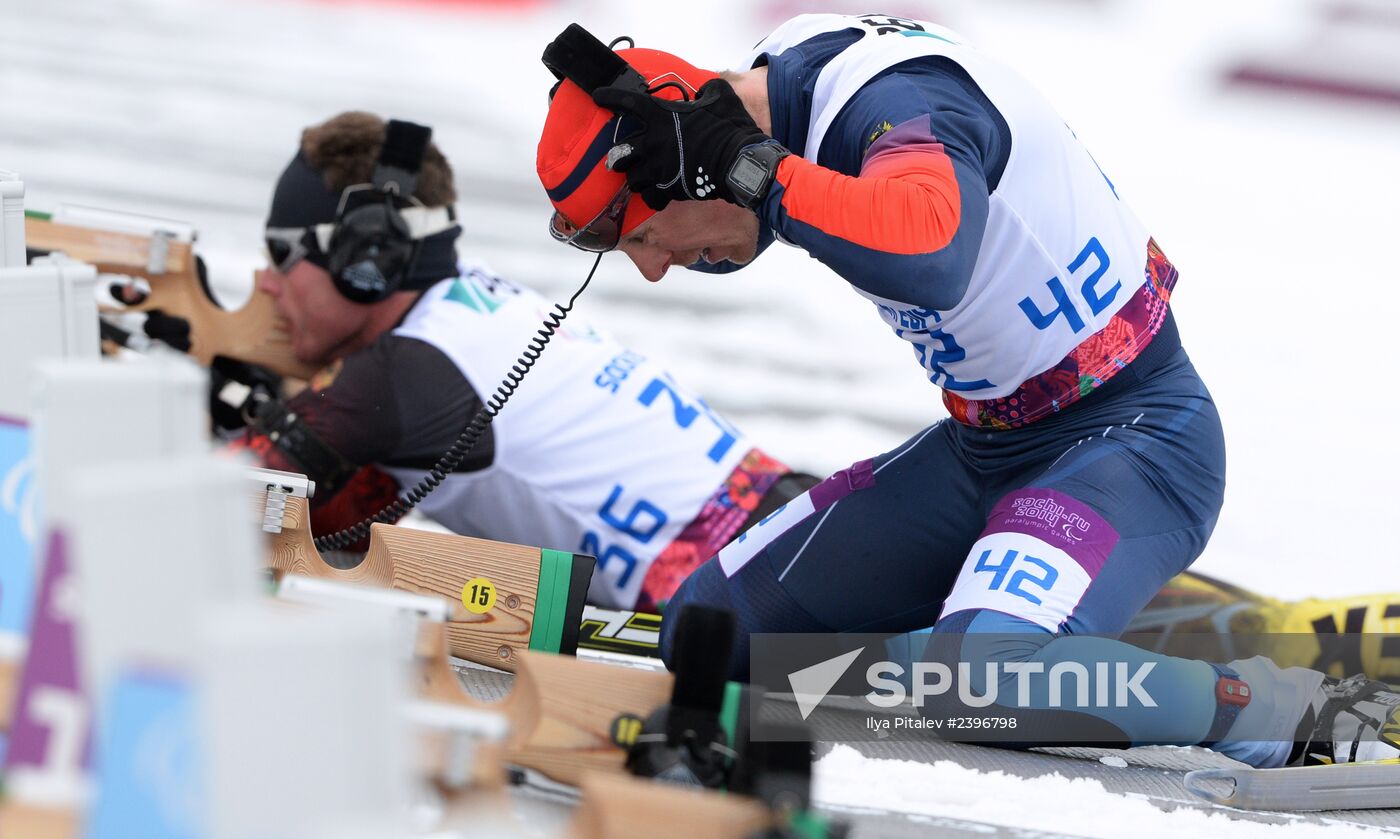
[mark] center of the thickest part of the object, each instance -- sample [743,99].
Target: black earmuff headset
[372,251]
[576,55]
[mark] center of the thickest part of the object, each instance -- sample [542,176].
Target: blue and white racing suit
[1084,463]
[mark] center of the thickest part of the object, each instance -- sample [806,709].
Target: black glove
[685,149]
[173,331]
[235,387]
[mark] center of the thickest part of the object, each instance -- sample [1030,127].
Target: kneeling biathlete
[1084,463]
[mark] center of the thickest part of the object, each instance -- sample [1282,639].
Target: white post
[11,220]
[47,310]
[301,724]
[150,546]
[82,334]
[156,544]
[86,412]
[96,412]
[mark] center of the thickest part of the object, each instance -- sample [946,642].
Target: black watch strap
[752,174]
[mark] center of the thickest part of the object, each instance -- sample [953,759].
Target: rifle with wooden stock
[506,599]
[568,717]
[564,713]
[162,255]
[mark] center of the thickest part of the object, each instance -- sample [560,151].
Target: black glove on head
[685,149]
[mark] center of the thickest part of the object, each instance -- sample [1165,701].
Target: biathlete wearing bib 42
[600,451]
[1085,462]
[979,226]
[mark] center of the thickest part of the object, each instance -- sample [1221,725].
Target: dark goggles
[286,246]
[599,235]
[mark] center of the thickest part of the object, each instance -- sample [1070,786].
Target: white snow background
[1047,805]
[1277,209]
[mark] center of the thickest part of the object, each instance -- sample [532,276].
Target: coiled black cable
[470,435]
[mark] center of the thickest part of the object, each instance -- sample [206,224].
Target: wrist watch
[753,171]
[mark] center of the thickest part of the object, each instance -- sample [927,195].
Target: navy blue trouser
[1064,528]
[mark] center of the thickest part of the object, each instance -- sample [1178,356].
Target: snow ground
[1276,210]
[1052,804]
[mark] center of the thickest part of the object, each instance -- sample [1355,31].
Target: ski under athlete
[1084,463]
[600,451]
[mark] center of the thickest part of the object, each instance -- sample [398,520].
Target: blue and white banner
[148,778]
[18,524]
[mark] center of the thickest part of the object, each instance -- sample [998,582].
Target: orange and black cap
[574,144]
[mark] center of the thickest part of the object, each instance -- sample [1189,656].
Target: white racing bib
[600,451]
[1061,253]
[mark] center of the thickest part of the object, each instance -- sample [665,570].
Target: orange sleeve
[905,201]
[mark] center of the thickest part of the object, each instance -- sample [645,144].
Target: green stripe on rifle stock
[544,604]
[729,711]
[552,602]
[807,824]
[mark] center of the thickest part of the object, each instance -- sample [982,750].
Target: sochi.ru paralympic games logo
[17,497]
[1072,525]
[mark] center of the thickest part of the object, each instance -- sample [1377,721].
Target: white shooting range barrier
[47,310]
[151,546]
[88,413]
[11,220]
[467,732]
[302,727]
[156,545]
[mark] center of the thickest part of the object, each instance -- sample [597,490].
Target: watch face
[748,175]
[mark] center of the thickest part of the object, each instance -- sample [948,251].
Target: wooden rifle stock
[562,711]
[253,334]
[9,686]
[536,596]
[28,822]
